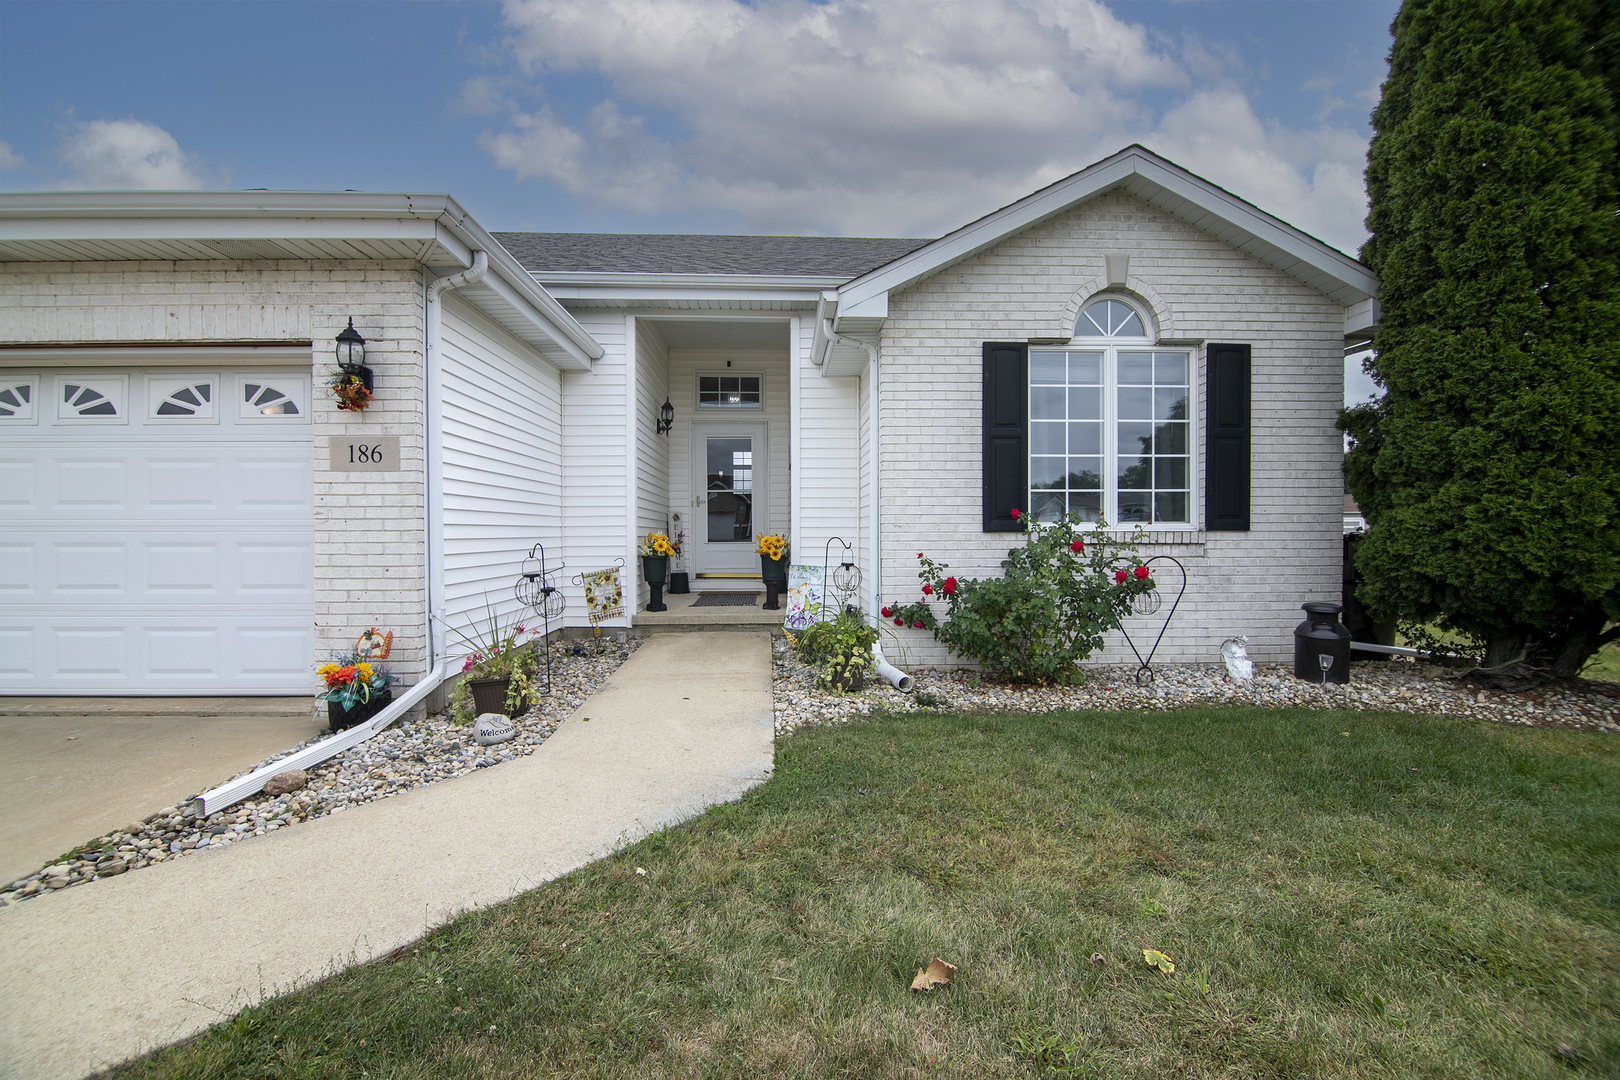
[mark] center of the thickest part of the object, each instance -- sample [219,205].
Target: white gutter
[253,783]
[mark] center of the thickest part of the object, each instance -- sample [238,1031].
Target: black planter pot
[655,568]
[773,570]
[341,718]
[489,695]
[679,583]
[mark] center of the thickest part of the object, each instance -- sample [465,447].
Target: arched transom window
[1110,424]
[1109,319]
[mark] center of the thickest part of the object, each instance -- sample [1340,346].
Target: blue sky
[901,119]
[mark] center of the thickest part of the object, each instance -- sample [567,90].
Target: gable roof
[1155,180]
[627,253]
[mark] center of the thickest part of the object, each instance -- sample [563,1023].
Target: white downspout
[433,514]
[433,480]
[874,421]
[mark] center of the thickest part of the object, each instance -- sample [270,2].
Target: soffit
[430,230]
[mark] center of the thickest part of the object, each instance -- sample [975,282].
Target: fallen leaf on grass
[937,973]
[641,871]
[1159,960]
[1098,958]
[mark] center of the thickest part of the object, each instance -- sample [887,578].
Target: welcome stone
[491,728]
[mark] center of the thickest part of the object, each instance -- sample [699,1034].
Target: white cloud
[11,161]
[109,155]
[883,118]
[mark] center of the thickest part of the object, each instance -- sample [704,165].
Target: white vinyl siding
[829,471]
[652,449]
[502,462]
[596,530]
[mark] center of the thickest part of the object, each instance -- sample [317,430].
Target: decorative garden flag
[604,596]
[804,596]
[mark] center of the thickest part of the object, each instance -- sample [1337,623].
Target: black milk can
[1322,645]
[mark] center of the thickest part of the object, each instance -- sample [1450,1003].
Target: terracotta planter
[341,718]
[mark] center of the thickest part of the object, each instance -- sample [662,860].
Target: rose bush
[1057,596]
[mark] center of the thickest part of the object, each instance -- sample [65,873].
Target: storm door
[728,482]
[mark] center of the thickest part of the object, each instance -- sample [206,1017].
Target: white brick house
[227,548]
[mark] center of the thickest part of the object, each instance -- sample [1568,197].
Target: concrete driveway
[72,769]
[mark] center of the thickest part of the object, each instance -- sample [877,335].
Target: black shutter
[1006,439]
[1226,458]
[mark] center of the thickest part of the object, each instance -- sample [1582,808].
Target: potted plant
[356,690]
[498,675]
[655,552]
[773,563]
[843,647]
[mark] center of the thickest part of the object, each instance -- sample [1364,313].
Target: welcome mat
[727,599]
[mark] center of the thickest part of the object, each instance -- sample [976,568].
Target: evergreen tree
[1489,472]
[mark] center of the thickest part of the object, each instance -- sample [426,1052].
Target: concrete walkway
[102,972]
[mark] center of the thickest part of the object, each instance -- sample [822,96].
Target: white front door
[728,477]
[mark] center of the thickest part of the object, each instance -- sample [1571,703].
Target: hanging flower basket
[352,388]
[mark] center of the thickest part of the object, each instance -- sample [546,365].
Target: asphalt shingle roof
[819,256]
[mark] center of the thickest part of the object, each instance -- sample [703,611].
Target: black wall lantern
[666,418]
[351,355]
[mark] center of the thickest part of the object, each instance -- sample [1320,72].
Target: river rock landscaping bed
[409,753]
[1396,685]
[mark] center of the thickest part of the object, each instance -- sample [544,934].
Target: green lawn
[1343,895]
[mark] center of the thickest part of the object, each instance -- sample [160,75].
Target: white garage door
[156,532]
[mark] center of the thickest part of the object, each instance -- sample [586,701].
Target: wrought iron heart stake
[1147,604]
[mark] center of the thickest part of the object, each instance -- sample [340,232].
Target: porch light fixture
[666,418]
[351,349]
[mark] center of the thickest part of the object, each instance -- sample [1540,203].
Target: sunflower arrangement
[657,544]
[774,548]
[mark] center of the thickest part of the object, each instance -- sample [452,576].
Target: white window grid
[91,399]
[729,390]
[19,399]
[1172,497]
[183,399]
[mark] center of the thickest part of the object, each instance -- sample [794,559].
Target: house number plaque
[376,454]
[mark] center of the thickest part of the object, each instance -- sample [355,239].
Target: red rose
[1076,546]
[887,613]
[918,625]
[1141,572]
[1119,577]
[899,622]
[919,554]
[1016,514]
[950,586]
[928,590]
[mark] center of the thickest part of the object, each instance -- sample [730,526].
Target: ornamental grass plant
[1340,895]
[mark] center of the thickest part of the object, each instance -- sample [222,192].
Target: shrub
[1059,593]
